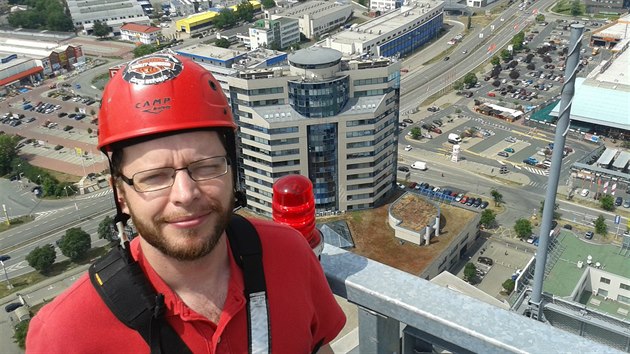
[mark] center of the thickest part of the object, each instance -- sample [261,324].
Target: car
[446,58]
[470,201]
[459,197]
[618,201]
[510,139]
[438,122]
[402,125]
[627,203]
[464,51]
[485,260]
[408,148]
[510,150]
[477,202]
[588,235]
[403,168]
[435,130]
[62,114]
[400,185]
[412,185]
[463,200]
[67,128]
[408,121]
[567,226]
[58,147]
[554,224]
[484,204]
[503,154]
[584,192]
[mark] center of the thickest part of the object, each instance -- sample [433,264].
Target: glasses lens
[208,168]
[152,180]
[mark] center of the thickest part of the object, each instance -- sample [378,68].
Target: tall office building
[332,119]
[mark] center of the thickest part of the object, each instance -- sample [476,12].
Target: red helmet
[160,93]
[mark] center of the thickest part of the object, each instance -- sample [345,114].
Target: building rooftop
[314,9]
[134,27]
[592,103]
[315,55]
[564,274]
[618,30]
[210,51]
[388,22]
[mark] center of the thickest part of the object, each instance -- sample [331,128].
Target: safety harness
[124,288]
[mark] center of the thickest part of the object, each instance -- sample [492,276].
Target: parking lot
[59,127]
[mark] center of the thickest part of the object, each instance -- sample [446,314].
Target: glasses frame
[130,181]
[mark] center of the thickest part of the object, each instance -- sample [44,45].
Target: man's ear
[121,199]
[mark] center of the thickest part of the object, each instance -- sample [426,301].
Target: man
[166,127]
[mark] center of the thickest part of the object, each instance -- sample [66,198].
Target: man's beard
[205,240]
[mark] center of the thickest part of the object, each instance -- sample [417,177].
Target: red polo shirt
[302,309]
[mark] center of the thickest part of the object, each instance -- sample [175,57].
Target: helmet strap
[121,218]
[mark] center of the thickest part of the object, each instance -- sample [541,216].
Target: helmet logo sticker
[154,106]
[153,69]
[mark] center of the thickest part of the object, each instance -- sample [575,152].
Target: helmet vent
[214,87]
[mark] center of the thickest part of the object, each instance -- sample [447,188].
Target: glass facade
[410,41]
[319,99]
[322,164]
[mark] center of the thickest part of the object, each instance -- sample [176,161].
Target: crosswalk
[537,171]
[95,195]
[538,185]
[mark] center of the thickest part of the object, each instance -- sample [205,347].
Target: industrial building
[28,61]
[395,34]
[200,22]
[188,7]
[329,118]
[613,36]
[114,13]
[385,5]
[315,17]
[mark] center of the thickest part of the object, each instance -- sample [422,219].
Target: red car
[464,200]
[436,130]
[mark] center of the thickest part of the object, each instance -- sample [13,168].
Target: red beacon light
[294,205]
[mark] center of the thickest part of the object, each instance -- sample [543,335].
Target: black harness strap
[124,288]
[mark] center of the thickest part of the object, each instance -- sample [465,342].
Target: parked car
[584,192]
[438,122]
[435,130]
[588,235]
[459,197]
[503,154]
[568,226]
[485,260]
[484,204]
[510,139]
[403,168]
[408,148]
[510,150]
[618,201]
[408,121]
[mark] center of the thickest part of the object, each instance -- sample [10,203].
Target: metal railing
[435,317]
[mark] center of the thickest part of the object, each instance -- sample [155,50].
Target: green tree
[470,271]
[222,42]
[458,85]
[245,11]
[517,41]
[470,79]
[540,18]
[226,18]
[101,29]
[600,225]
[107,229]
[60,21]
[75,243]
[41,14]
[268,4]
[497,196]
[487,218]
[42,258]
[505,55]
[523,228]
[495,60]
[19,337]
[508,285]
[607,202]
[144,49]
[576,8]
[8,152]
[416,132]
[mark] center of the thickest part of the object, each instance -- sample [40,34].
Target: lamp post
[4,258]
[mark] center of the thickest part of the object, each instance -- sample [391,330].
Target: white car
[510,139]
[408,148]
[584,192]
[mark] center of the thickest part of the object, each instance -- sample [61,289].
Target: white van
[454,138]
[419,165]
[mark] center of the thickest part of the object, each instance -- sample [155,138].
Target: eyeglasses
[162,178]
